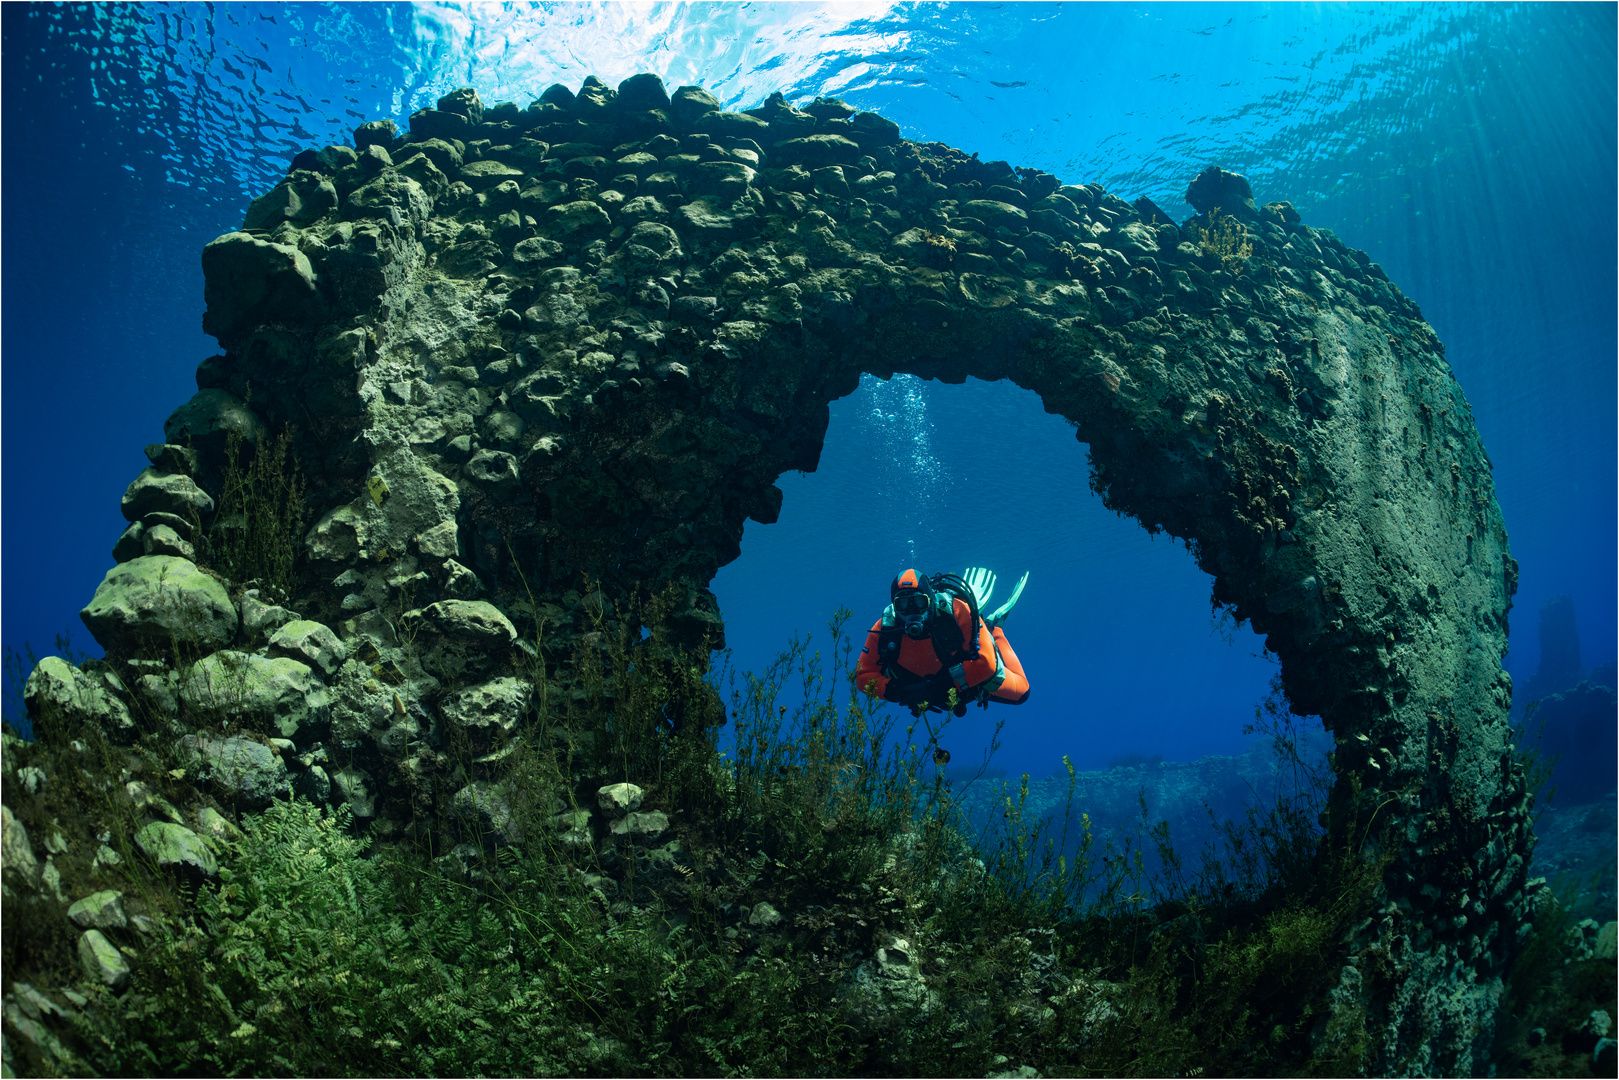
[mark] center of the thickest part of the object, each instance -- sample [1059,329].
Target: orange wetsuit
[919,675]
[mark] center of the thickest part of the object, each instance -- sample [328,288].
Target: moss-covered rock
[175,846]
[157,603]
[279,695]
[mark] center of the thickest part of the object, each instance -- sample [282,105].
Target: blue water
[1468,148]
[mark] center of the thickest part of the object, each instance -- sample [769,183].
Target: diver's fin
[981,582]
[996,617]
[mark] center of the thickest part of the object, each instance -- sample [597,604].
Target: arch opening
[1126,655]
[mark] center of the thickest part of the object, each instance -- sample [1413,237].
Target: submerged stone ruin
[540,364]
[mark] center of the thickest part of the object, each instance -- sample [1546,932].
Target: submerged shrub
[258,527]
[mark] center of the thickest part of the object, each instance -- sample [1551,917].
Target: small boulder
[156,601]
[375,133]
[131,544]
[260,620]
[210,418]
[442,541]
[496,470]
[764,916]
[1216,189]
[56,688]
[16,853]
[490,711]
[619,799]
[101,960]
[216,827]
[309,642]
[172,458]
[642,824]
[278,695]
[354,787]
[156,491]
[816,151]
[171,845]
[313,784]
[100,911]
[487,174]
[472,621]
[162,540]
[641,92]
[247,280]
[690,102]
[577,220]
[243,771]
[483,809]
[995,213]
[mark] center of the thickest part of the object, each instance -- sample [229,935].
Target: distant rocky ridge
[1568,711]
[542,363]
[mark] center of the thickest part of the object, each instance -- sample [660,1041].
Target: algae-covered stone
[210,419]
[131,543]
[404,496]
[727,179]
[56,689]
[313,784]
[488,711]
[16,853]
[156,491]
[483,808]
[995,213]
[535,250]
[243,771]
[473,621]
[354,787]
[216,828]
[156,602]
[247,280]
[442,541]
[171,845]
[260,619]
[163,540]
[496,470]
[101,960]
[100,911]
[311,643]
[577,220]
[278,695]
[617,799]
[816,151]
[483,175]
[649,823]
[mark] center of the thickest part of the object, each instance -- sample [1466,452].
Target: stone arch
[588,337]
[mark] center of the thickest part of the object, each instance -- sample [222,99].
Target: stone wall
[542,362]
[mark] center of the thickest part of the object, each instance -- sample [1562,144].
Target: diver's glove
[934,690]
[982,583]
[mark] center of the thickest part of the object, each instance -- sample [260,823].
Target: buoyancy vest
[952,647]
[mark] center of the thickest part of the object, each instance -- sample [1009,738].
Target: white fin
[1001,612]
[981,582]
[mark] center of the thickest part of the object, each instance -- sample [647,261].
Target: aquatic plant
[1227,240]
[821,907]
[257,531]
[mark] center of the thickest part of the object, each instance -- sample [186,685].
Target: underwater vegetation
[620,899]
[404,755]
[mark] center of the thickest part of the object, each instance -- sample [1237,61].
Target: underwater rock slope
[537,363]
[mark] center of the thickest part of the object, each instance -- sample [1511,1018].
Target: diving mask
[911,608]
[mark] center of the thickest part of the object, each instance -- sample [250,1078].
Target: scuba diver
[932,639]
